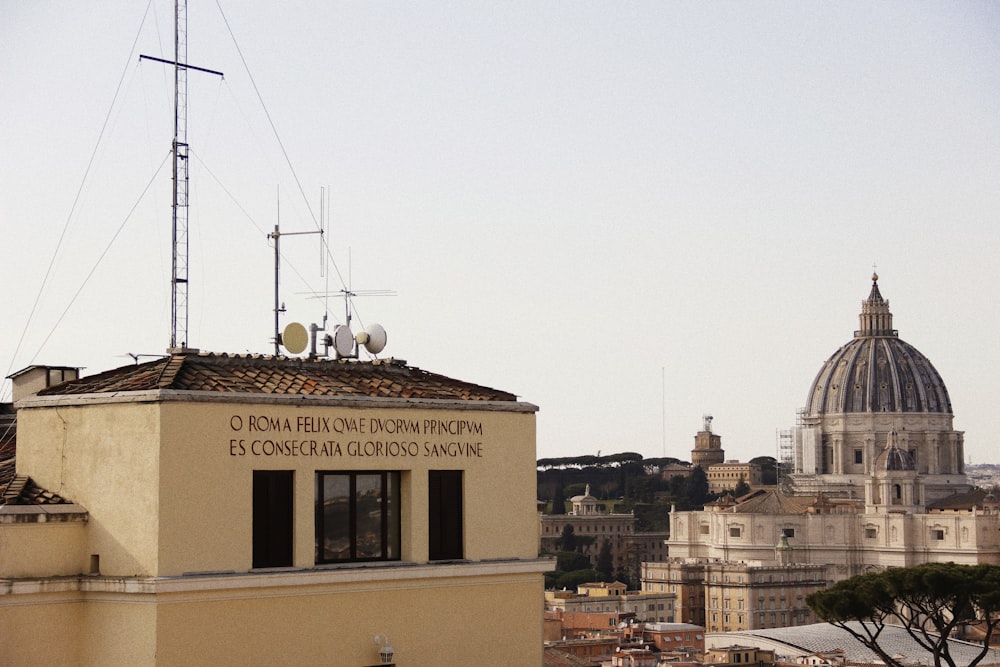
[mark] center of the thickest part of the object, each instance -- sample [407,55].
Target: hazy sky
[628,213]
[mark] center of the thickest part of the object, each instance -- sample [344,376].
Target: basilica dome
[877,371]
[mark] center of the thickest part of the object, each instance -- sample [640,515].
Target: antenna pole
[179,261]
[278,307]
[179,280]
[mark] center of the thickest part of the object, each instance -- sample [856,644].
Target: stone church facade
[878,479]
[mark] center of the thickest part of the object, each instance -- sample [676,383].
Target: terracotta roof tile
[765,501]
[21,490]
[255,374]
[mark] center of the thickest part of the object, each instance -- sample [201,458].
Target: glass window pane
[336,518]
[392,516]
[357,516]
[369,516]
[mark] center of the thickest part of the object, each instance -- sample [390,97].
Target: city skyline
[629,216]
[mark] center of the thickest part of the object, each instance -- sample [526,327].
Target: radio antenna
[179,277]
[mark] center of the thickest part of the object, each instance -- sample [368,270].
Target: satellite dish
[343,340]
[373,338]
[295,338]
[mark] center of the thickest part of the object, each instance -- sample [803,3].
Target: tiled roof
[960,501]
[22,490]
[765,501]
[257,374]
[553,657]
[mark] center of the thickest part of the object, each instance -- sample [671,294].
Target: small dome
[877,372]
[892,458]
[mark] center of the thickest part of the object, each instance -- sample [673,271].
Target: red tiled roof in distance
[258,374]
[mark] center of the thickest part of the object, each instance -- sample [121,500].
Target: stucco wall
[462,614]
[167,486]
[43,549]
[209,453]
[105,458]
[46,631]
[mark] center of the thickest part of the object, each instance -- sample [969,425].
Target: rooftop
[762,501]
[806,639]
[262,374]
[240,374]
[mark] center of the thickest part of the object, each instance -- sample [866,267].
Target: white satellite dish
[343,340]
[295,338]
[373,338]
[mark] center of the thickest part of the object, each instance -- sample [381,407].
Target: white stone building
[878,478]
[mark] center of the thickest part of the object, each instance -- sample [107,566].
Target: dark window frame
[389,519]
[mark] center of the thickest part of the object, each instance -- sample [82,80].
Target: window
[859,456]
[788,532]
[937,534]
[272,518]
[735,531]
[444,520]
[357,516]
[871,533]
[703,529]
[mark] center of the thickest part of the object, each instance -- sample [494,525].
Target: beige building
[683,578]
[722,475]
[613,598]
[739,655]
[590,522]
[737,596]
[214,509]
[726,476]
[878,482]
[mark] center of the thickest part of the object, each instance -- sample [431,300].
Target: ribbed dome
[892,458]
[877,372]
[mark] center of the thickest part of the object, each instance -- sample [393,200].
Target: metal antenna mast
[179,263]
[179,279]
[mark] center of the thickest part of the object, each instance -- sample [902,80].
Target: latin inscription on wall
[354,437]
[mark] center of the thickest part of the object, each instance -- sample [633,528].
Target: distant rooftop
[820,637]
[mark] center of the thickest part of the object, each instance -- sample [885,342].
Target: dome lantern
[875,317]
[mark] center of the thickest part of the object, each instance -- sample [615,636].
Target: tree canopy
[611,460]
[605,561]
[559,500]
[567,541]
[929,601]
